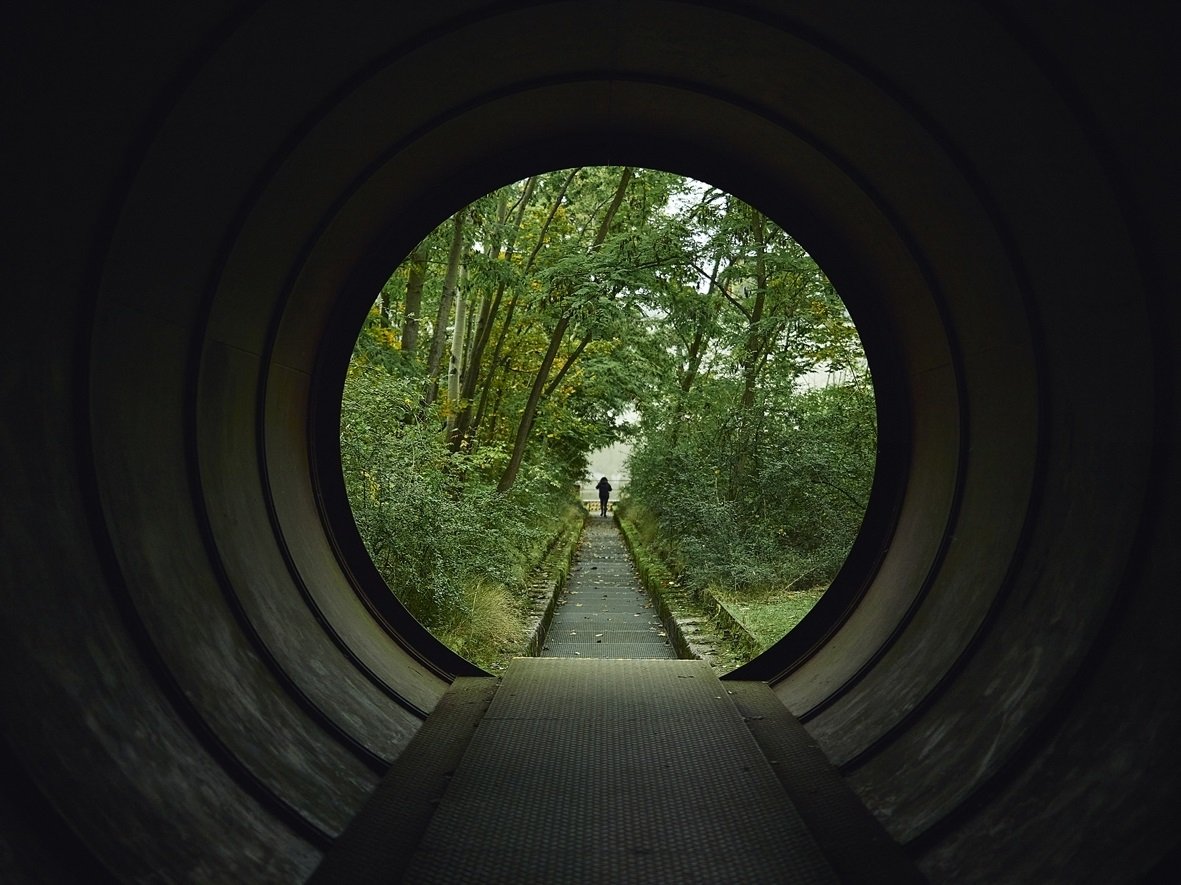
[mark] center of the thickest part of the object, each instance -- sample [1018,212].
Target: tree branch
[557,379]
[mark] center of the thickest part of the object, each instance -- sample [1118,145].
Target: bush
[746,507]
[442,537]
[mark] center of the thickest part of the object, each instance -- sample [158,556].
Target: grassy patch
[769,614]
[492,623]
[492,627]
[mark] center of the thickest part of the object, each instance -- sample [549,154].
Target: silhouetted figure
[604,488]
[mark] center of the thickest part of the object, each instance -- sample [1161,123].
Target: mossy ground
[769,614]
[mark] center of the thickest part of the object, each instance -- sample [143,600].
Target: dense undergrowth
[785,519]
[756,547]
[455,551]
[762,542]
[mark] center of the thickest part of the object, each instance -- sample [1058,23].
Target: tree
[415,277]
[490,310]
[562,303]
[751,478]
[442,318]
[541,378]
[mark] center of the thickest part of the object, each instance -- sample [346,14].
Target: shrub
[777,506]
[437,530]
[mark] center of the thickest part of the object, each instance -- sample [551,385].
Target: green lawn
[772,613]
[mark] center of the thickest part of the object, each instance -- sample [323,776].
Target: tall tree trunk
[494,424]
[575,354]
[455,366]
[488,316]
[495,361]
[701,333]
[414,280]
[450,281]
[753,353]
[464,427]
[387,307]
[696,351]
[525,425]
[693,364]
[701,338]
[755,334]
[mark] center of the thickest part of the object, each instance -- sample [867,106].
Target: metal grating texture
[611,770]
[604,611]
[855,842]
[378,842]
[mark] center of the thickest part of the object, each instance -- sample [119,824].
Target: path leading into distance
[604,611]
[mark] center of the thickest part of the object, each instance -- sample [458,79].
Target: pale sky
[608,462]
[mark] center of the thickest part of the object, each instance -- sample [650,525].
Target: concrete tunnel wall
[203,679]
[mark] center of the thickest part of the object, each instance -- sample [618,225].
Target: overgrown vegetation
[455,551]
[754,460]
[569,310]
[788,519]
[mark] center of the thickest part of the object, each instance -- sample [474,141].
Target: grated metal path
[615,771]
[604,611]
[602,763]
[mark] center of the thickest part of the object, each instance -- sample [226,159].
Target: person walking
[604,488]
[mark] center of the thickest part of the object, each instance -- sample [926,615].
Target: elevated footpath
[604,610]
[609,760]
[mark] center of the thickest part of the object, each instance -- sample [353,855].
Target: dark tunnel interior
[203,678]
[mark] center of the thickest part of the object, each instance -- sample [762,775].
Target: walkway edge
[378,843]
[854,842]
[566,545]
[657,579]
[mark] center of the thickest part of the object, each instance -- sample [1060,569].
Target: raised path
[615,771]
[604,611]
[599,763]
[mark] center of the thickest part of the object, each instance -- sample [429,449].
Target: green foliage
[753,477]
[788,519]
[431,519]
[589,296]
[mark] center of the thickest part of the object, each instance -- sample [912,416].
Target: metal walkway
[604,611]
[600,763]
[615,771]
[643,771]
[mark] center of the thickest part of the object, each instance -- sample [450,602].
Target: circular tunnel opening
[849,228]
[940,307]
[914,593]
[609,306]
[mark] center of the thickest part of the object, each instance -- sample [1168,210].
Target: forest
[576,308]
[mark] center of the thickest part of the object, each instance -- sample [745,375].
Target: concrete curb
[551,576]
